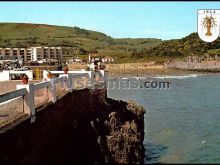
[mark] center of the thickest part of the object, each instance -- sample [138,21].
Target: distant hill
[24,30]
[188,45]
[74,40]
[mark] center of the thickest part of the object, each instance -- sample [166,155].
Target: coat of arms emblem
[208,25]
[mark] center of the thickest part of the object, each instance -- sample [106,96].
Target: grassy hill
[24,30]
[74,40]
[180,48]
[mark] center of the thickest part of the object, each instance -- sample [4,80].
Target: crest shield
[208,25]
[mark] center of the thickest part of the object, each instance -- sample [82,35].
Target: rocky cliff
[120,135]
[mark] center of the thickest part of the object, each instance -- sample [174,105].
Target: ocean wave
[139,78]
[176,77]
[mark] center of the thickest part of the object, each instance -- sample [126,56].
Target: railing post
[45,74]
[5,75]
[52,91]
[45,93]
[85,81]
[105,78]
[68,81]
[29,106]
[106,83]
[92,78]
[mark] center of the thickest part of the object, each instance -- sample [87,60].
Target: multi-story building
[32,53]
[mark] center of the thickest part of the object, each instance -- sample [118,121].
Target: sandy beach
[152,70]
[136,69]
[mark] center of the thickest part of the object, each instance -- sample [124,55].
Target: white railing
[27,91]
[12,95]
[90,73]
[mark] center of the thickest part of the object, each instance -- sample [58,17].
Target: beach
[138,69]
[150,70]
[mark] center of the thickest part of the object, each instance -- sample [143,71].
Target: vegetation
[186,46]
[77,42]
[214,51]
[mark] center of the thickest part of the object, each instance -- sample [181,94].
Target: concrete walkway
[12,109]
[7,116]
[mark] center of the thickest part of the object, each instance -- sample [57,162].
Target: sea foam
[176,76]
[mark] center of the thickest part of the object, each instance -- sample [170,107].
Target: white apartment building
[32,53]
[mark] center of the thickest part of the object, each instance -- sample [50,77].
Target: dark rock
[123,142]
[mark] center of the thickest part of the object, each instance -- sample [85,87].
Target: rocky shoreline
[204,66]
[121,134]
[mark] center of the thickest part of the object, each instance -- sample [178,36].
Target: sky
[164,20]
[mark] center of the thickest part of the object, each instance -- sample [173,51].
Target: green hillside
[24,30]
[180,48]
[74,40]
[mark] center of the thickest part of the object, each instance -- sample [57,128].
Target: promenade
[18,100]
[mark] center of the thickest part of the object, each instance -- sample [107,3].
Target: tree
[82,51]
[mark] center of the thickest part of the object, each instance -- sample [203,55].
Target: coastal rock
[204,66]
[123,141]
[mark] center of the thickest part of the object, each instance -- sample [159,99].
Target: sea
[182,122]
